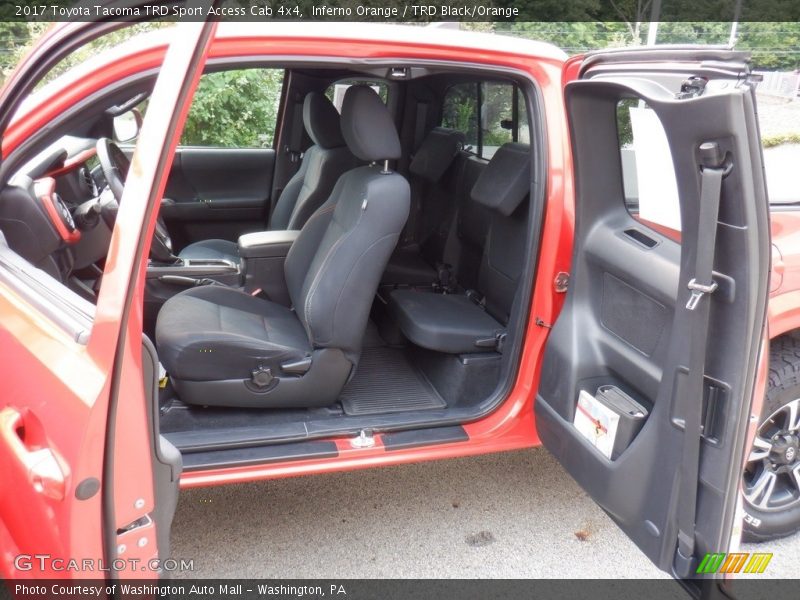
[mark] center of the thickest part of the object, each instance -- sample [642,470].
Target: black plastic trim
[258,455]
[424,437]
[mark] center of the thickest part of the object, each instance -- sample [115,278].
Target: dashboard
[50,214]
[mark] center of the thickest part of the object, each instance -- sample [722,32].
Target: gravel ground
[497,516]
[778,115]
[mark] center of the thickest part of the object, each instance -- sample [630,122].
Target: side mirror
[127,125]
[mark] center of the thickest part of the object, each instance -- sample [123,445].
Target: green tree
[234,109]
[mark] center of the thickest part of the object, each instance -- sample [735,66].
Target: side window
[648,173]
[460,112]
[489,114]
[335,91]
[235,109]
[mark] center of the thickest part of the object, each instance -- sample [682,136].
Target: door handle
[43,469]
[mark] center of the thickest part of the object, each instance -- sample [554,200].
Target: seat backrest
[430,200]
[323,164]
[503,188]
[472,224]
[333,268]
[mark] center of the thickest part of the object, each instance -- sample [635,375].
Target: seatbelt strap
[295,146]
[418,188]
[698,307]
[421,123]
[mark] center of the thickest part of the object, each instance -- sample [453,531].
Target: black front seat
[323,164]
[223,347]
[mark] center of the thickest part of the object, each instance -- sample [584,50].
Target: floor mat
[387,382]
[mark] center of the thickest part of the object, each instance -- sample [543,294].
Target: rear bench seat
[415,262]
[475,321]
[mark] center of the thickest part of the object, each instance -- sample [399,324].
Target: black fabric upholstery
[436,154]
[455,323]
[310,186]
[211,339]
[503,261]
[334,266]
[214,332]
[367,126]
[321,120]
[407,266]
[449,323]
[436,200]
[211,249]
[322,165]
[506,181]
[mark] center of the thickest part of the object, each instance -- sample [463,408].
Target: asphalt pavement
[505,515]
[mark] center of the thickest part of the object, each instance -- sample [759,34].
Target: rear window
[335,91]
[648,172]
[489,114]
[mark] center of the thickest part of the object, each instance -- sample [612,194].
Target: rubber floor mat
[387,382]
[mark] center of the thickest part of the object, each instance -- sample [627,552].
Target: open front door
[87,487]
[650,371]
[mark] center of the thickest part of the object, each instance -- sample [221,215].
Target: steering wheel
[115,166]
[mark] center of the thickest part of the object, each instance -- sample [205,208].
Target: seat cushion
[408,267]
[450,323]
[214,332]
[211,250]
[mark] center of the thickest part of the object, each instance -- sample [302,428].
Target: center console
[263,254]
[187,272]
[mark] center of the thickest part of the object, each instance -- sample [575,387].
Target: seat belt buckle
[698,291]
[479,300]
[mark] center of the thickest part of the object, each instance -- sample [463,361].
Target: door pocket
[609,419]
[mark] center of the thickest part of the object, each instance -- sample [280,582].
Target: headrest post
[386,170]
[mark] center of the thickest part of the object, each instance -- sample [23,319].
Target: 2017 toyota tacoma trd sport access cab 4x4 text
[452,245]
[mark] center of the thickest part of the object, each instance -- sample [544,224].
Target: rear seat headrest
[506,180]
[436,153]
[321,121]
[367,126]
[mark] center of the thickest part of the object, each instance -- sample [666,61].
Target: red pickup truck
[454,244]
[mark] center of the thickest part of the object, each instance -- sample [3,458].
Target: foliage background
[239,108]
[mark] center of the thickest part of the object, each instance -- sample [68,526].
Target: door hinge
[541,323]
[692,87]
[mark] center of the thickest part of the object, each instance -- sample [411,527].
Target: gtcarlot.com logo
[47,562]
[734,562]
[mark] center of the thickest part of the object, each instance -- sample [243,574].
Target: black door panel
[217,193]
[625,322]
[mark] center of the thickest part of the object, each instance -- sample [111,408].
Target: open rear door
[650,371]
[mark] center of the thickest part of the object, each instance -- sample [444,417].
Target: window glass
[235,109]
[778,97]
[648,173]
[460,112]
[335,92]
[497,116]
[489,114]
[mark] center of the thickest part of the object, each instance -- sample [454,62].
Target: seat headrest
[436,153]
[506,180]
[367,126]
[322,121]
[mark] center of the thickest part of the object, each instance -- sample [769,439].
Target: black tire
[783,388]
